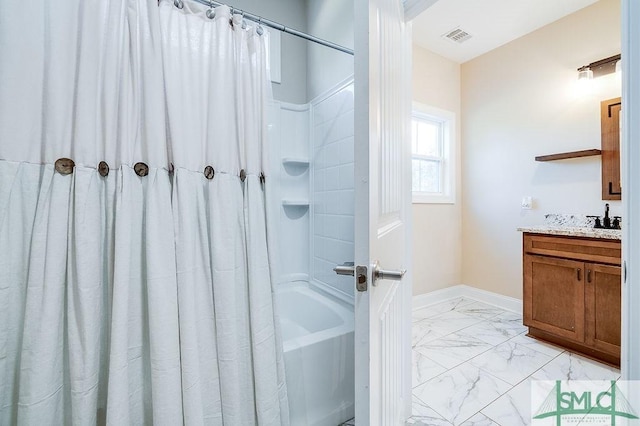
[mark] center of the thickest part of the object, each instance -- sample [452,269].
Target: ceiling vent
[458,35]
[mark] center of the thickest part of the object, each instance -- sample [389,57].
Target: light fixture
[599,68]
[585,73]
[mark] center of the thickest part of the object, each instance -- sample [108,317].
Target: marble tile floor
[473,365]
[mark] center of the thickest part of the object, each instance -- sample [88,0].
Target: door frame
[630,43]
[630,47]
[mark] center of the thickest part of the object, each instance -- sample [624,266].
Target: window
[432,155]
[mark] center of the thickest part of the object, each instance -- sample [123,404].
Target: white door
[630,351]
[382,211]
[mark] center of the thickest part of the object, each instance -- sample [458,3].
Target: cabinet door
[610,128]
[602,307]
[554,296]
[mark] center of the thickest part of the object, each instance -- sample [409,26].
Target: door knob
[360,272]
[347,268]
[386,274]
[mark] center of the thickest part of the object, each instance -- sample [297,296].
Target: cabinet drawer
[578,248]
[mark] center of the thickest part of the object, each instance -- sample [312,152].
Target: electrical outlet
[527,203]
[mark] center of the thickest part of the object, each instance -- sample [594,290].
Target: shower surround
[311,211]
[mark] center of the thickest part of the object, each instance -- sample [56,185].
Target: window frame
[448,160]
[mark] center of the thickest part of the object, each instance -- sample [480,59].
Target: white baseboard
[504,302]
[438,296]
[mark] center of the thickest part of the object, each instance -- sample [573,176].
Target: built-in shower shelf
[295,203]
[296,162]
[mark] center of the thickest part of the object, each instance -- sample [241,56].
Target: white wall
[330,20]
[519,101]
[332,189]
[288,132]
[291,13]
[322,233]
[437,240]
[332,134]
[308,69]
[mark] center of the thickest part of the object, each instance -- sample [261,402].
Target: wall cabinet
[610,128]
[572,290]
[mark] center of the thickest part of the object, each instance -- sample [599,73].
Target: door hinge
[361,278]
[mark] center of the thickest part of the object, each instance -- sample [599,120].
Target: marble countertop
[574,231]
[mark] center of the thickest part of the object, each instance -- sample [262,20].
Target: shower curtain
[135,283]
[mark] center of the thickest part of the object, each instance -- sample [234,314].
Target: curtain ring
[211,12]
[260,30]
[244,23]
[178,3]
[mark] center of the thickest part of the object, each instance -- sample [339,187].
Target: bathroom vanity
[572,287]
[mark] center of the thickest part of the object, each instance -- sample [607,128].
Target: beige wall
[437,228]
[519,101]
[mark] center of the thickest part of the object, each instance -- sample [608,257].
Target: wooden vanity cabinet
[572,290]
[602,307]
[554,296]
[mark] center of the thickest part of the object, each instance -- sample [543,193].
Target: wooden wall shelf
[572,154]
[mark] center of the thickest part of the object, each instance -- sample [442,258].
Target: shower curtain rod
[276,26]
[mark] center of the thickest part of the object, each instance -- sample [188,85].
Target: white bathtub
[317,333]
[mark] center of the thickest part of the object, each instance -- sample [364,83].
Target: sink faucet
[606,223]
[616,222]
